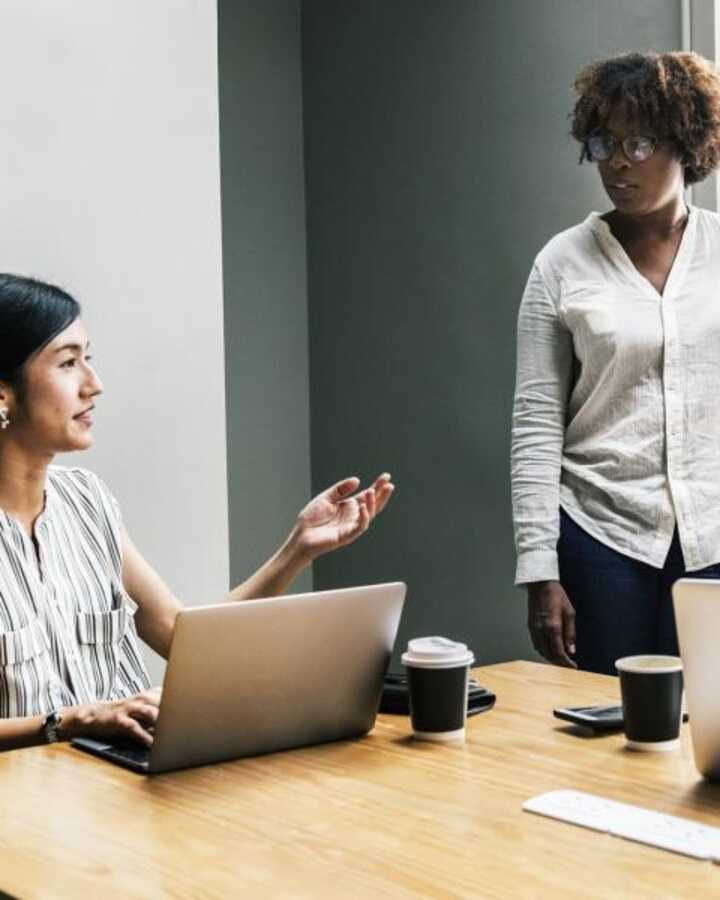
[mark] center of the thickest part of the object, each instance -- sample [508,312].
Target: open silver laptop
[697,615]
[263,675]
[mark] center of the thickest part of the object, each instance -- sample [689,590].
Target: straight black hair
[32,313]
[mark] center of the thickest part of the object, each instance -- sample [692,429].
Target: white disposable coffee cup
[438,678]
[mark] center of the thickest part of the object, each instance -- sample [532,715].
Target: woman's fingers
[556,645]
[152,696]
[378,494]
[342,489]
[551,620]
[360,523]
[569,631]
[383,491]
[369,502]
[375,497]
[539,642]
[383,494]
[137,718]
[132,728]
[134,717]
[143,713]
[547,634]
[364,522]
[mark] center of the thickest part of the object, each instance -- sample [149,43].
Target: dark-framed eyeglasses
[601,146]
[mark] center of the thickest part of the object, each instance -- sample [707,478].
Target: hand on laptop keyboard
[131,719]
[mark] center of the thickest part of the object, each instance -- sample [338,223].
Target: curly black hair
[676,95]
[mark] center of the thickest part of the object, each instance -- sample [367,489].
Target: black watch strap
[51,726]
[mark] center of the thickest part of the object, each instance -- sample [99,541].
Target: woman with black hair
[616,423]
[75,592]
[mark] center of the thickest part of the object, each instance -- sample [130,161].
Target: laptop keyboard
[134,754]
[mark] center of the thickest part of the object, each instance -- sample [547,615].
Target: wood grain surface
[383,816]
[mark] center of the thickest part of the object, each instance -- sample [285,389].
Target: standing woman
[75,592]
[616,422]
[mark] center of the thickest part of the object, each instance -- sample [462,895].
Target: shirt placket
[675,437]
[672,388]
[63,626]
[673,395]
[42,600]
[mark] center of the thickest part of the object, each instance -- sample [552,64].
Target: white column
[110,186]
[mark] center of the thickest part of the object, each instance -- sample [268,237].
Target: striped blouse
[67,634]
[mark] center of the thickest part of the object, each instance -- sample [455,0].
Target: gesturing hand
[339,516]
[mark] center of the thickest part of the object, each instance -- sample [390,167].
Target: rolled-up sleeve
[543,377]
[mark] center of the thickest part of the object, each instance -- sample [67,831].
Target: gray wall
[266,342]
[437,164]
[110,185]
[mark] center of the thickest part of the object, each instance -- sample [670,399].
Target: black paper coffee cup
[438,677]
[651,688]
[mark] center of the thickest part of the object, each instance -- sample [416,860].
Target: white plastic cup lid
[437,653]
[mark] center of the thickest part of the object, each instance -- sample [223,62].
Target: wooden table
[383,816]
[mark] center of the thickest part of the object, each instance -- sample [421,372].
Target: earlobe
[6,397]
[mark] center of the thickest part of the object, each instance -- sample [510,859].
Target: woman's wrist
[534,586]
[73,721]
[294,555]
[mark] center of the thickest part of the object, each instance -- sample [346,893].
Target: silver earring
[4,421]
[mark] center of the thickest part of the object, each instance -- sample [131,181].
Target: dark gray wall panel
[437,164]
[264,274]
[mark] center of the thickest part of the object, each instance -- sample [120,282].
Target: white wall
[109,185]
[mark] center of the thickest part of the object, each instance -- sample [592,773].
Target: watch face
[52,727]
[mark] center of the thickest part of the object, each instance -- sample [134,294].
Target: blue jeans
[622,606]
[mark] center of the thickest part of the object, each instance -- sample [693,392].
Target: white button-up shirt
[617,401]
